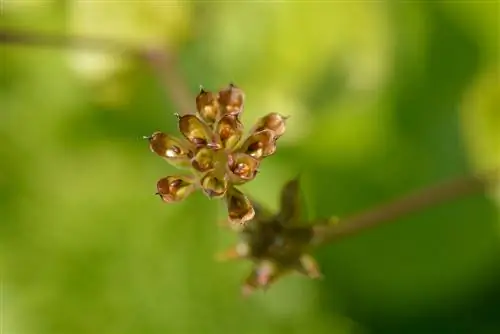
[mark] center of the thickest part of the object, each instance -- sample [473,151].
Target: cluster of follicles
[218,157]
[276,243]
[216,151]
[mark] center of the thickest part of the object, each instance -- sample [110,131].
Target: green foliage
[383,98]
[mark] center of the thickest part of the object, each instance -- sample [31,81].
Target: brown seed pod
[207,106]
[170,148]
[274,122]
[231,100]
[174,188]
[243,167]
[260,144]
[239,207]
[230,130]
[195,130]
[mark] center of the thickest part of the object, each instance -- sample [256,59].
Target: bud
[231,100]
[230,130]
[169,148]
[243,167]
[241,250]
[260,144]
[265,271]
[262,275]
[207,106]
[290,203]
[195,130]
[308,266]
[203,160]
[214,187]
[175,188]
[240,210]
[274,122]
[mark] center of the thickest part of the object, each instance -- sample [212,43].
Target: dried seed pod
[274,122]
[230,130]
[213,186]
[203,160]
[240,210]
[231,100]
[195,130]
[175,188]
[243,167]
[169,148]
[207,106]
[260,144]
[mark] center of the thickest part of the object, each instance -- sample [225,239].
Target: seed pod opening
[230,131]
[260,144]
[175,188]
[207,106]
[195,130]
[170,148]
[203,160]
[240,210]
[213,186]
[243,167]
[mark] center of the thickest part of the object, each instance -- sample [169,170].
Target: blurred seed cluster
[277,244]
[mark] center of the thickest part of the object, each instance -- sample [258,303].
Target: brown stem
[162,63]
[411,203]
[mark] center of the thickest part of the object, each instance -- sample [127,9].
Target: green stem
[162,63]
[416,201]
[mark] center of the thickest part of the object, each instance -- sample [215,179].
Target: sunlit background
[384,97]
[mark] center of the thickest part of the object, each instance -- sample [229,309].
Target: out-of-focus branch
[162,63]
[416,201]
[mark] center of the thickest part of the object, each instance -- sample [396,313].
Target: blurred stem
[413,202]
[162,63]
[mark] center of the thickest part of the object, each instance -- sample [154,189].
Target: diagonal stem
[413,202]
[162,63]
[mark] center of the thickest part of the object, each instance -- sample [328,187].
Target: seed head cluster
[216,152]
[218,158]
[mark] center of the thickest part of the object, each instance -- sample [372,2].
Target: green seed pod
[213,186]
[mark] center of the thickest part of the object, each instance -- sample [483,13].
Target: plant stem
[413,202]
[162,63]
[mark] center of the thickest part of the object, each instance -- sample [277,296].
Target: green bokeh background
[385,97]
